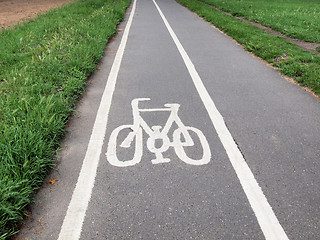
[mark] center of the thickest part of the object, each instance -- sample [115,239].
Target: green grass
[298,19]
[291,60]
[44,65]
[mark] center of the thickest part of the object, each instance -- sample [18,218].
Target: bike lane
[177,200]
[172,200]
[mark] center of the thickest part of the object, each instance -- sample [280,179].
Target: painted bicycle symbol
[156,134]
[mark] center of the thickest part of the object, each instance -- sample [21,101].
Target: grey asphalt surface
[274,123]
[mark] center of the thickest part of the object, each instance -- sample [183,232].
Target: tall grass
[295,18]
[290,59]
[43,68]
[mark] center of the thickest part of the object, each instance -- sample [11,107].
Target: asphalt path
[184,135]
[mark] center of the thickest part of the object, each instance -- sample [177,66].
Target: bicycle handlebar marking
[155,133]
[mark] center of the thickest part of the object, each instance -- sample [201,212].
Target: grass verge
[44,65]
[298,19]
[291,60]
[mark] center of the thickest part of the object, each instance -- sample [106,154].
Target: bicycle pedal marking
[156,133]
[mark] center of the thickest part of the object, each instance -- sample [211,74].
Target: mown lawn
[298,19]
[290,59]
[44,65]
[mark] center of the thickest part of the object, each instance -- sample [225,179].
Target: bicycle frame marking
[155,133]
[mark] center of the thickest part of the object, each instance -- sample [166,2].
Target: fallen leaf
[53,181]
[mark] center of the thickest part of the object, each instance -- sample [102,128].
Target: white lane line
[268,222]
[72,224]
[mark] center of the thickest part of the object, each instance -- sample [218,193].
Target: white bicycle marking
[155,133]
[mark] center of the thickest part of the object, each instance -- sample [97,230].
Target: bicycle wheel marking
[156,133]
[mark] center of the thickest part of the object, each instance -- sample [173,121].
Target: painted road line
[72,224]
[267,220]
